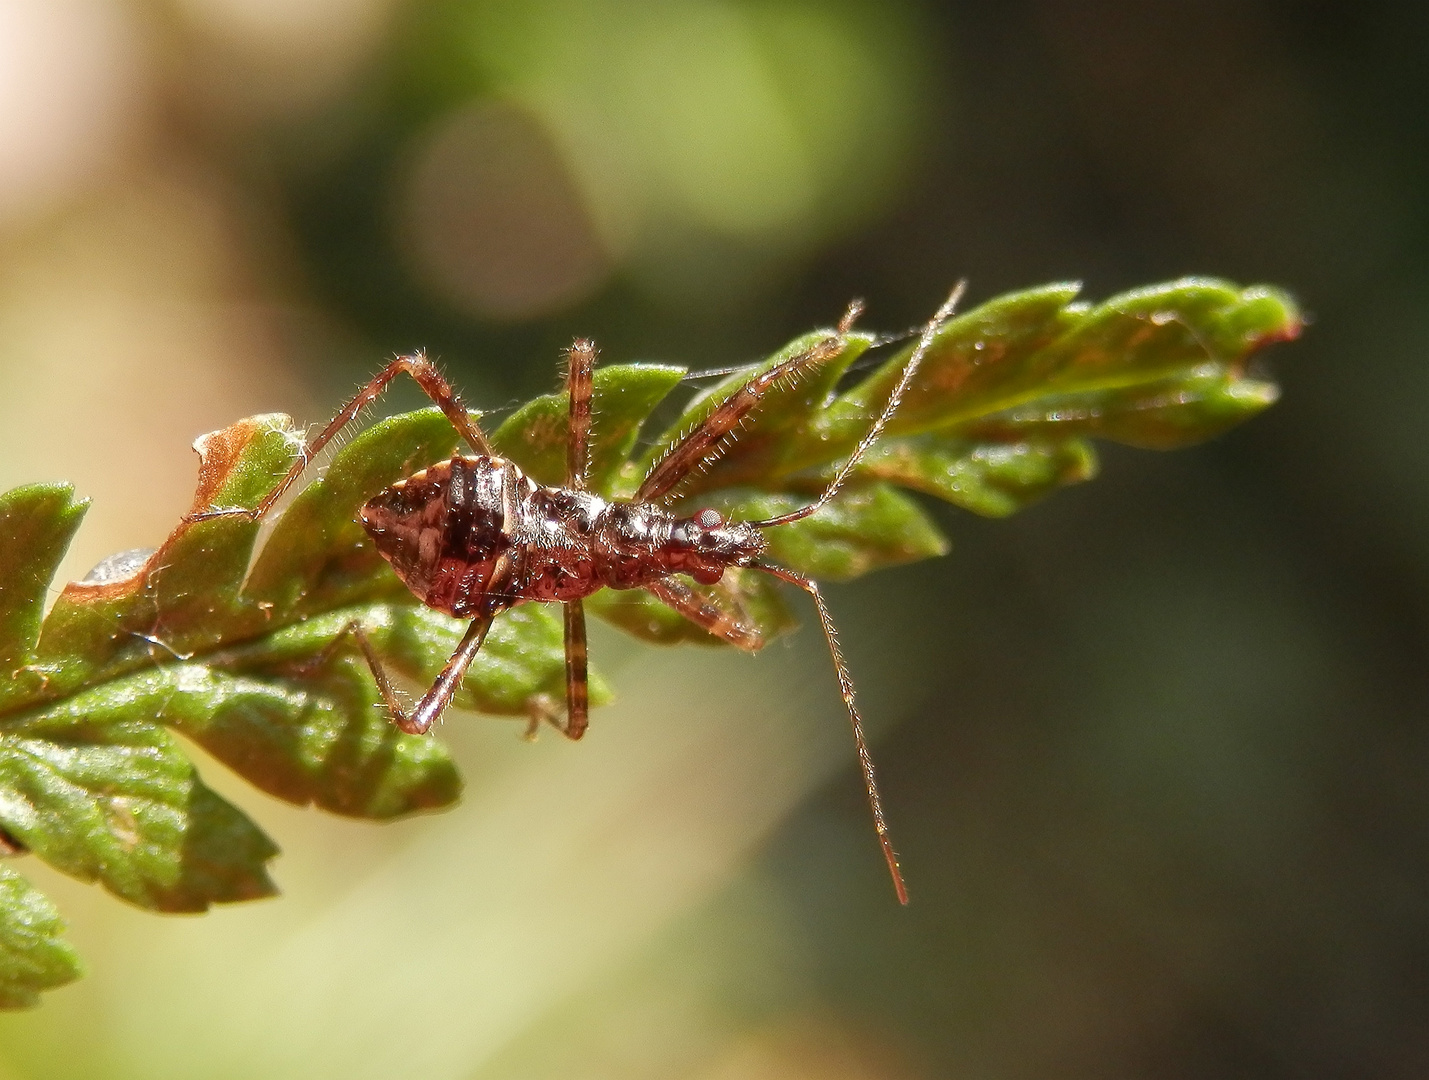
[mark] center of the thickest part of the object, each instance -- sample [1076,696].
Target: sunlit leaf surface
[33,956]
[235,652]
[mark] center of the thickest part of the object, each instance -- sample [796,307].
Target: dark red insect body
[474,536]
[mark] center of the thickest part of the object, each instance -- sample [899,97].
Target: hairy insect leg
[905,380]
[428,378]
[577,675]
[721,624]
[865,757]
[355,630]
[435,701]
[543,708]
[580,364]
[706,441]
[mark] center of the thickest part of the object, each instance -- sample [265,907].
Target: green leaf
[102,794]
[321,739]
[1158,367]
[36,525]
[1187,329]
[1163,414]
[184,596]
[249,656]
[33,956]
[993,479]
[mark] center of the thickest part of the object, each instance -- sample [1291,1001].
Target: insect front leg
[428,378]
[740,633]
[708,440]
[580,364]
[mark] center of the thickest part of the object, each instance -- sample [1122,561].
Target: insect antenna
[865,756]
[925,342]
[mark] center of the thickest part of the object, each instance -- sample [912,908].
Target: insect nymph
[474,536]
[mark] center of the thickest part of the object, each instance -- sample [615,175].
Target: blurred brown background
[1154,751]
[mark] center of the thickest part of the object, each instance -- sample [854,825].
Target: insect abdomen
[445,531]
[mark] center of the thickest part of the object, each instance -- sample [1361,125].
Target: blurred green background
[1154,751]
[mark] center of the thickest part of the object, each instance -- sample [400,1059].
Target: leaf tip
[1281,316]
[219,452]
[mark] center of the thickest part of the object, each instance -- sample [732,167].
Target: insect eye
[708,519]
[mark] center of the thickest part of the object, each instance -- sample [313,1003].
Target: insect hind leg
[435,701]
[428,378]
